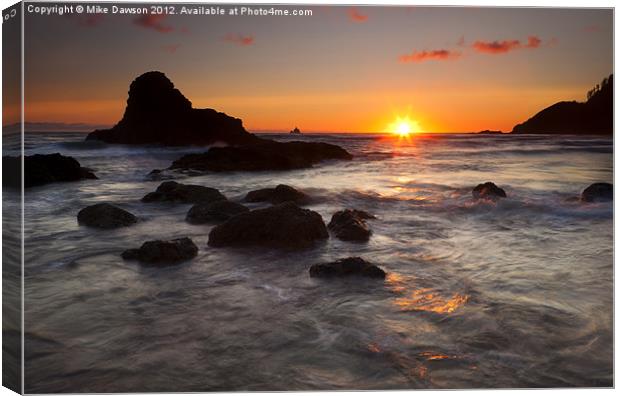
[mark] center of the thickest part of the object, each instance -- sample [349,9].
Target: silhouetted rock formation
[351,266]
[489,132]
[214,211]
[488,190]
[350,225]
[42,169]
[183,193]
[161,253]
[598,192]
[594,117]
[296,131]
[283,226]
[158,113]
[267,155]
[105,215]
[282,193]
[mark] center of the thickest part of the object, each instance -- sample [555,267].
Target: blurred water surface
[479,295]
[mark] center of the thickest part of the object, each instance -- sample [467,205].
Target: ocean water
[479,295]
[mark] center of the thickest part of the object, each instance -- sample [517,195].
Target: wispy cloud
[155,22]
[423,56]
[239,39]
[502,47]
[356,16]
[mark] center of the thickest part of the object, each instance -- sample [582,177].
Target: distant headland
[593,117]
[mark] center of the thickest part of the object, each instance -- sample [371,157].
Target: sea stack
[158,113]
[296,131]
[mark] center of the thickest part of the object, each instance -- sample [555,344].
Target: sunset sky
[342,69]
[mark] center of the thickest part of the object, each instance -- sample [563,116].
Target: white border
[484,3]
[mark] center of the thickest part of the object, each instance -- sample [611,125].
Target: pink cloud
[357,16]
[155,22]
[502,47]
[496,47]
[533,42]
[422,56]
[239,39]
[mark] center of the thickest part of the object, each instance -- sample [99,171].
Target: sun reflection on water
[424,299]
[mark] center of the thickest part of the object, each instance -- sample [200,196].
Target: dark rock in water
[284,225]
[214,211]
[594,117]
[183,193]
[282,193]
[40,169]
[105,215]
[351,266]
[267,155]
[350,225]
[162,253]
[598,192]
[488,190]
[296,131]
[490,132]
[158,113]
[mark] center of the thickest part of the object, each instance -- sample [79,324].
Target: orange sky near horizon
[373,115]
[447,69]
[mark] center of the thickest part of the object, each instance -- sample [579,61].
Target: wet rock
[351,266]
[158,113]
[350,225]
[598,192]
[488,190]
[105,215]
[183,193]
[282,193]
[40,169]
[262,156]
[163,253]
[214,211]
[285,225]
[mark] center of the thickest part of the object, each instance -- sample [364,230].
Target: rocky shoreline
[155,108]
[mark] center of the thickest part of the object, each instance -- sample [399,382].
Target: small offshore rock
[598,192]
[40,169]
[350,266]
[488,190]
[105,215]
[183,193]
[214,211]
[350,225]
[162,253]
[282,193]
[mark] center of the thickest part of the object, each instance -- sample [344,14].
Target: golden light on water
[427,300]
[424,299]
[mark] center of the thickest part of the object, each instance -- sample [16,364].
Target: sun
[404,126]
